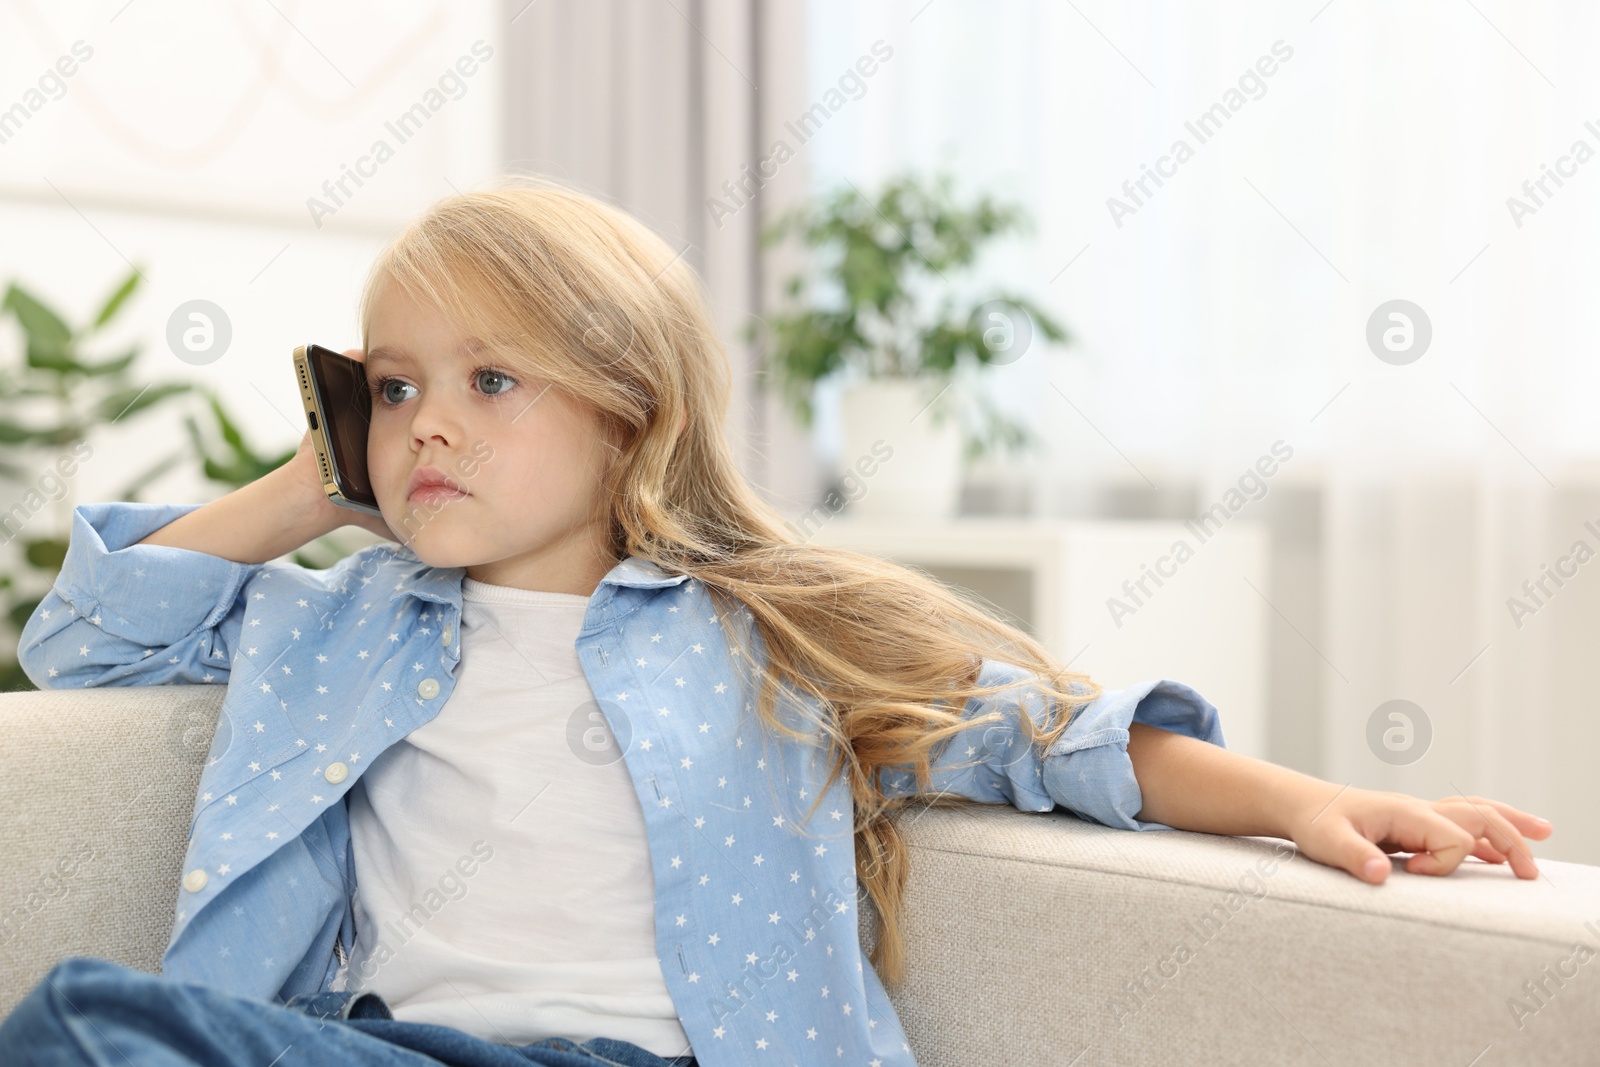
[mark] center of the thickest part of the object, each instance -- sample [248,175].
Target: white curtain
[655,106]
[1357,153]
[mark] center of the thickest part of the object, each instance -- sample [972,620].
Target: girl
[638,832]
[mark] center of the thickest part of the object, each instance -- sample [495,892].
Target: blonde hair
[577,292]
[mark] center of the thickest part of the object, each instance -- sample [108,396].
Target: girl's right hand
[1359,826]
[306,482]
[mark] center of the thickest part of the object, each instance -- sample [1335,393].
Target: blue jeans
[93,1012]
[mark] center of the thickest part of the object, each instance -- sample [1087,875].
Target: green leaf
[20,612]
[808,347]
[194,436]
[45,552]
[215,471]
[126,402]
[240,465]
[43,326]
[230,432]
[13,434]
[53,359]
[117,299]
[13,679]
[111,366]
[1042,320]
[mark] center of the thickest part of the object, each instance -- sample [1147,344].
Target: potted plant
[50,403]
[881,310]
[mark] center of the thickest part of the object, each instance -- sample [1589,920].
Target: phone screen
[341,384]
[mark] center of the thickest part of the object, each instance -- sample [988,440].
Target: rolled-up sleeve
[1087,770]
[121,613]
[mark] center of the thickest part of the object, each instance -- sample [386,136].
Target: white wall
[189,143]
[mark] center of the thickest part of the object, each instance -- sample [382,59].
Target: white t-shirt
[503,879]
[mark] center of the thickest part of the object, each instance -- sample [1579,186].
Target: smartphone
[333,389]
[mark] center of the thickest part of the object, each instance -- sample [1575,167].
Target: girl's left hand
[1359,826]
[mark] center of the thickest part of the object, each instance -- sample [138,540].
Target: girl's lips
[436,492]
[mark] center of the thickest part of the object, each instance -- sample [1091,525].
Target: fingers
[1440,836]
[1352,848]
[1485,820]
[1375,870]
[1358,855]
[1487,852]
[1528,824]
[1439,843]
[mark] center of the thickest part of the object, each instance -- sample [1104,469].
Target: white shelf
[1205,625]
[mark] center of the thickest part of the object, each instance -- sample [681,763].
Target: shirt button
[429,688]
[336,773]
[445,637]
[195,880]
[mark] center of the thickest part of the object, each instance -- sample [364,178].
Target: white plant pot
[895,460]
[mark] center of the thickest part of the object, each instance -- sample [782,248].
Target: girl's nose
[433,421]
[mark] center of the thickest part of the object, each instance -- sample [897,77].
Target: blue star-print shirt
[755,916]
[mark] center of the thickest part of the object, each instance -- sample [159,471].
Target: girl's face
[528,457]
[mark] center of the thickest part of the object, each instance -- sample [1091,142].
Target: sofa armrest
[97,787]
[1033,937]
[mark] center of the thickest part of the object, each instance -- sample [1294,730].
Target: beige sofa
[1034,938]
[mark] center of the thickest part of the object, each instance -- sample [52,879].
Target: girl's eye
[504,379]
[490,383]
[379,389]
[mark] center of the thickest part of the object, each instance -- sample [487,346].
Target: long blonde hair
[577,292]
